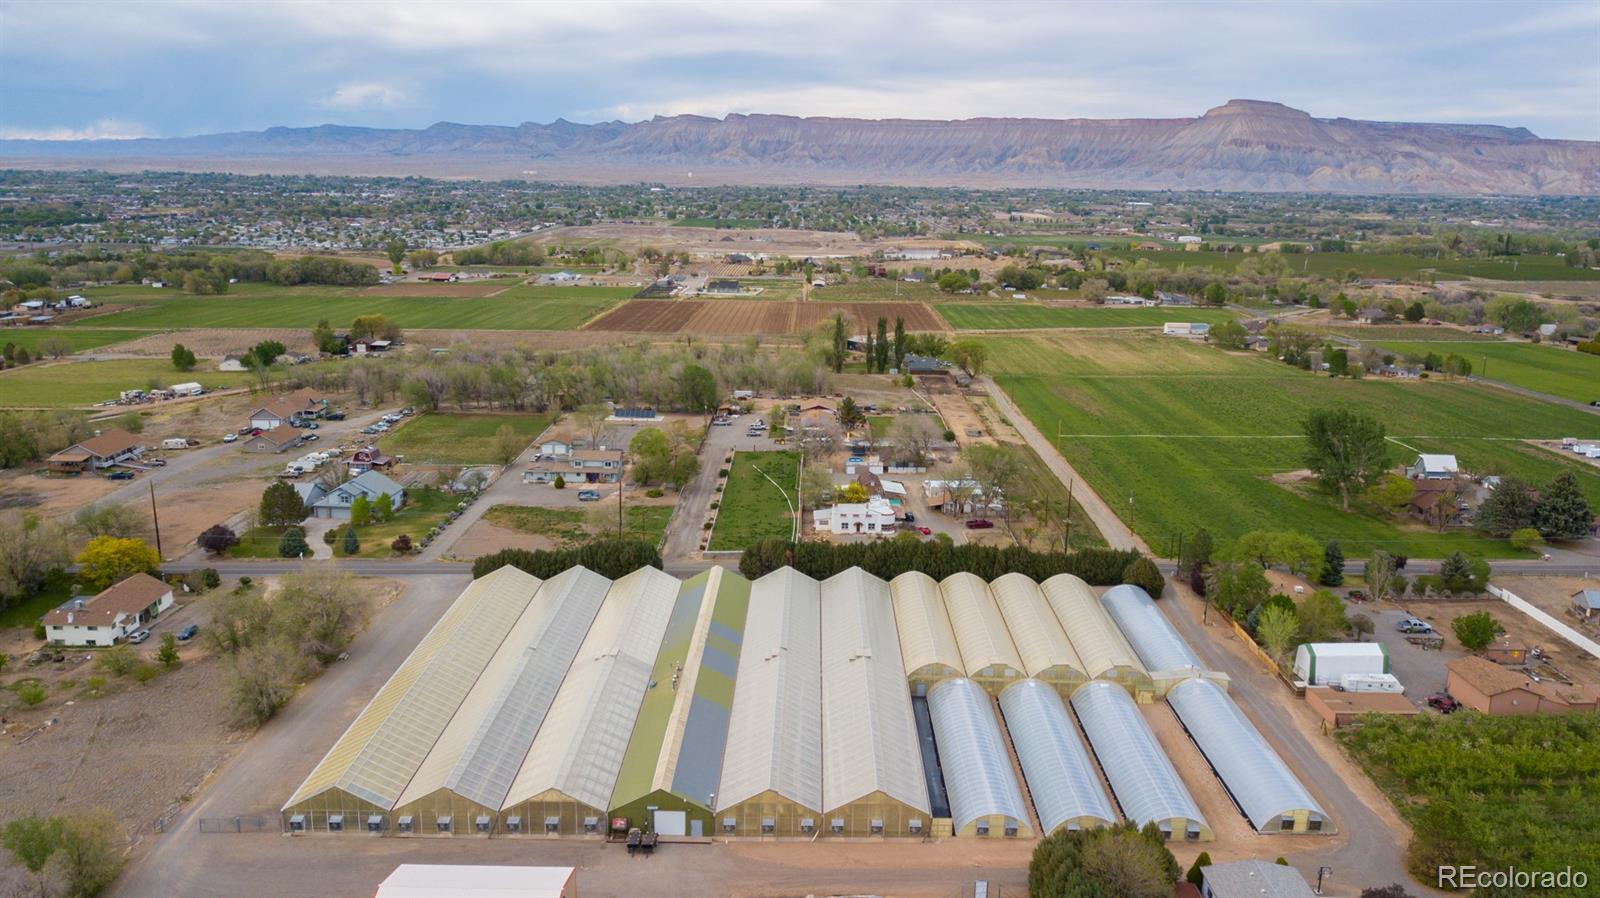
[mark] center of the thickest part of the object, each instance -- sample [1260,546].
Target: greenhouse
[984,797]
[1046,653]
[1162,651]
[772,766]
[1105,653]
[1144,782]
[565,784]
[1062,780]
[1258,780]
[872,776]
[987,653]
[927,644]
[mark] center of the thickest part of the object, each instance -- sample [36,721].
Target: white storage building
[1324,663]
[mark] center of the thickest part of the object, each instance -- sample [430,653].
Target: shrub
[30,693]
[1526,539]
[217,539]
[212,579]
[937,558]
[293,543]
[1475,631]
[93,685]
[38,630]
[352,543]
[144,673]
[715,505]
[119,660]
[168,654]
[654,492]
[722,472]
[330,535]
[401,544]
[1142,572]
[608,557]
[560,482]
[245,581]
[949,436]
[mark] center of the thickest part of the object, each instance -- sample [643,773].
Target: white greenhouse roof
[775,730]
[1257,778]
[869,734]
[926,640]
[477,881]
[1151,634]
[579,748]
[383,748]
[977,767]
[1095,637]
[1061,779]
[979,628]
[1037,635]
[479,753]
[1144,781]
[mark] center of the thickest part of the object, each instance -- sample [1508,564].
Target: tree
[1362,626]
[71,856]
[899,343]
[266,352]
[1322,616]
[1277,630]
[55,347]
[352,544]
[395,249]
[840,344]
[1338,363]
[1194,876]
[777,420]
[850,414]
[167,655]
[1345,449]
[217,539]
[1415,312]
[118,661]
[30,548]
[324,338]
[1380,574]
[383,508]
[108,559]
[697,389]
[109,520]
[1118,861]
[1229,334]
[293,544]
[374,327]
[1144,574]
[1332,564]
[969,354]
[852,492]
[870,353]
[1455,574]
[1509,507]
[1237,587]
[881,353]
[1297,552]
[1197,550]
[559,483]
[1390,492]
[401,544]
[816,485]
[913,437]
[1526,539]
[1476,630]
[360,512]
[1563,513]
[281,505]
[508,444]
[182,358]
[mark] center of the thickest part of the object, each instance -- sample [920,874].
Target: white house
[555,448]
[873,516]
[336,503]
[1433,467]
[1253,879]
[111,616]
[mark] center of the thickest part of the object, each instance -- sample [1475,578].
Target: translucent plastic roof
[1254,774]
[869,735]
[690,764]
[980,630]
[977,767]
[386,744]
[1061,778]
[927,644]
[775,731]
[479,753]
[1033,628]
[1100,645]
[579,748]
[1144,781]
[1148,631]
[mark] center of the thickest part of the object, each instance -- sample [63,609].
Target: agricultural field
[79,338]
[1548,369]
[450,439]
[515,308]
[1177,436]
[739,224]
[571,526]
[1412,333]
[69,384]
[878,290]
[752,507]
[728,317]
[1018,316]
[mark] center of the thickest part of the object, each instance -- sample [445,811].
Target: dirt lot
[733,316]
[214,343]
[1554,595]
[412,288]
[186,513]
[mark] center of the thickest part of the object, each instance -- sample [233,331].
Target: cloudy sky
[73,69]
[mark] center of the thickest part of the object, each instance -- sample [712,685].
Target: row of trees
[607,557]
[891,558]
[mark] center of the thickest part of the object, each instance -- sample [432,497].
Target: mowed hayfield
[1177,436]
[728,317]
[79,338]
[449,439]
[1025,316]
[515,308]
[1548,369]
[69,383]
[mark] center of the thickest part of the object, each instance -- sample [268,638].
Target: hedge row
[609,558]
[889,559]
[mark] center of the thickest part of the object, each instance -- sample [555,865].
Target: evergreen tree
[871,352]
[293,543]
[1332,564]
[1455,573]
[352,545]
[281,506]
[1200,863]
[883,345]
[1563,513]
[900,343]
[1508,508]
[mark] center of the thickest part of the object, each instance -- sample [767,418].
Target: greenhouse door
[671,823]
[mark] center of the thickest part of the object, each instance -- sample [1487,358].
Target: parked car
[156,462]
[1443,702]
[408,411]
[312,425]
[312,438]
[139,636]
[333,416]
[1412,625]
[230,438]
[246,429]
[925,531]
[588,495]
[187,633]
[120,475]
[979,524]
[1357,595]
[909,518]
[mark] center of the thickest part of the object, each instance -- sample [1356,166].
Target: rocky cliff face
[1241,145]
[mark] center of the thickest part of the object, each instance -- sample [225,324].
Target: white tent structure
[1105,653]
[1323,663]
[1144,781]
[988,656]
[1046,652]
[984,797]
[927,643]
[1062,780]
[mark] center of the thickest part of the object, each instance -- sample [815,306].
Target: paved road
[1117,534]
[1535,394]
[682,548]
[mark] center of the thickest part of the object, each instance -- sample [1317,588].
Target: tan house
[104,449]
[1485,686]
[111,616]
[302,404]
[1339,709]
[1504,651]
[276,439]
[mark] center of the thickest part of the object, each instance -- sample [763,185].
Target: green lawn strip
[258,542]
[880,425]
[79,338]
[724,223]
[57,589]
[74,383]
[1010,315]
[1414,333]
[751,508]
[576,525]
[1548,369]
[424,509]
[442,438]
[878,290]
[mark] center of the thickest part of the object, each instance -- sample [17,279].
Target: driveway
[694,502]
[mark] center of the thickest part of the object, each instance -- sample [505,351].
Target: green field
[516,308]
[1548,369]
[878,290]
[879,425]
[66,384]
[1016,316]
[576,525]
[1177,436]
[258,542]
[448,439]
[79,338]
[752,507]
[1413,333]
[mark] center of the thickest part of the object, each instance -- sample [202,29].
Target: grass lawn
[79,338]
[1413,333]
[57,589]
[1176,436]
[1548,369]
[577,525]
[880,425]
[752,507]
[446,439]
[258,542]
[516,308]
[68,383]
[424,509]
[1011,315]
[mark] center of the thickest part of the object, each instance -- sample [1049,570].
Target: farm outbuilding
[1143,780]
[872,776]
[565,783]
[1261,784]
[928,646]
[1061,778]
[1323,663]
[1105,653]
[984,797]
[772,767]
[1046,653]
[988,656]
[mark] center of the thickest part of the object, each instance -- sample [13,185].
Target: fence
[1549,622]
[254,824]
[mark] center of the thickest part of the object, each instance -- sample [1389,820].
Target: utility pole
[155,517]
[619,505]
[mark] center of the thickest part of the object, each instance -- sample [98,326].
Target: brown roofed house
[104,449]
[275,440]
[112,615]
[1483,685]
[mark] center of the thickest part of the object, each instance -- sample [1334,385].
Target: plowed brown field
[731,316]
